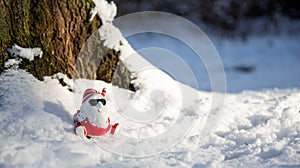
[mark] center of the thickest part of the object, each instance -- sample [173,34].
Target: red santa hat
[90,92]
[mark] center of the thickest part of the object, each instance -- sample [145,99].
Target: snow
[11,63]
[63,79]
[263,54]
[110,35]
[112,38]
[27,53]
[106,10]
[165,123]
[257,128]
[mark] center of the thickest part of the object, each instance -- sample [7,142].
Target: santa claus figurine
[92,118]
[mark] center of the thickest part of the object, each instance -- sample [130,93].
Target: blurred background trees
[224,17]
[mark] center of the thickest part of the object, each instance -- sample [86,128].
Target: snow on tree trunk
[60,29]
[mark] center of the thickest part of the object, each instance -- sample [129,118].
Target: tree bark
[60,28]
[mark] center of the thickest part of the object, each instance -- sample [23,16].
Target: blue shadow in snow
[58,110]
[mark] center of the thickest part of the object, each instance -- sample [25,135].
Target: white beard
[96,118]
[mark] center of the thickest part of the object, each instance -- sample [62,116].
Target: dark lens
[103,101]
[93,102]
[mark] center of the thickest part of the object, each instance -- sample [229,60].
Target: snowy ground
[257,129]
[261,62]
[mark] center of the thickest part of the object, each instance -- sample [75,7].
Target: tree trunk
[60,28]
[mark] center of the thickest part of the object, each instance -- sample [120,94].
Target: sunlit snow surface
[257,129]
[256,63]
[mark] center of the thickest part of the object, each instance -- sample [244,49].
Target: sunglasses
[94,102]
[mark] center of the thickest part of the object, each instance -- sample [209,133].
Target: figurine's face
[95,103]
[93,109]
[99,102]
